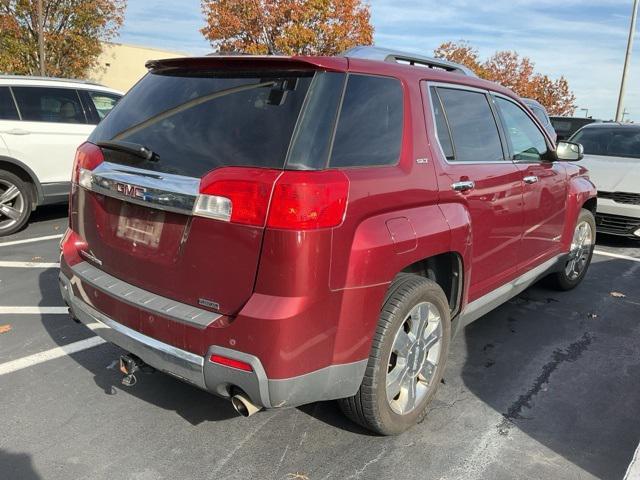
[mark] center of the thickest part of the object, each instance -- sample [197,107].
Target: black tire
[369,407]
[561,280]
[9,225]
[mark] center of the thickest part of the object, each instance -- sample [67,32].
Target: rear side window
[527,142]
[472,125]
[7,106]
[442,129]
[43,104]
[198,121]
[104,102]
[369,130]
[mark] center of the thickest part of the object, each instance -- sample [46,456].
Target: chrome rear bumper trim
[175,361]
[125,292]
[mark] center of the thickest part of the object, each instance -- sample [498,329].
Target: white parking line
[29,264]
[34,310]
[47,355]
[616,255]
[30,240]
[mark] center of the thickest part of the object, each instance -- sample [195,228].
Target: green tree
[73,32]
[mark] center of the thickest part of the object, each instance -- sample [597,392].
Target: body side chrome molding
[500,295]
[163,191]
[124,292]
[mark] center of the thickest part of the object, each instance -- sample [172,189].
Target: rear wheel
[407,358]
[582,246]
[15,203]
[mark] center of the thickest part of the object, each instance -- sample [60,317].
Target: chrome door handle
[530,179]
[18,131]
[464,186]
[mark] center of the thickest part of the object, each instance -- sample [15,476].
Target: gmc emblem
[130,190]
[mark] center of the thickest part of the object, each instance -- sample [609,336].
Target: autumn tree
[73,32]
[511,70]
[289,27]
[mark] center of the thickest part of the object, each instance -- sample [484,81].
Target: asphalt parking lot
[546,386]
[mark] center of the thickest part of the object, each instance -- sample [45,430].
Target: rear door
[53,124]
[476,173]
[544,183]
[137,217]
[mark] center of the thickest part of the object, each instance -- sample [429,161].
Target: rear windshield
[195,122]
[610,142]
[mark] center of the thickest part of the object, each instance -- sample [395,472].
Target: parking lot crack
[569,354]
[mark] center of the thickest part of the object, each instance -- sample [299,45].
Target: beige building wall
[120,65]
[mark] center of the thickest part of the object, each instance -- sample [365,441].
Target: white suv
[42,122]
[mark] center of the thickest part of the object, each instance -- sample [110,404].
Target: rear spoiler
[244,62]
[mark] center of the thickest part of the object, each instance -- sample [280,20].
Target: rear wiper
[136,149]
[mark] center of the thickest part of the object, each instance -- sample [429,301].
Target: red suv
[285,230]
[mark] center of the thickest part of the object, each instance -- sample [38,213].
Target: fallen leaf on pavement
[617,295]
[5,328]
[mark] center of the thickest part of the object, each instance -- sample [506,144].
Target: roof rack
[49,79]
[388,55]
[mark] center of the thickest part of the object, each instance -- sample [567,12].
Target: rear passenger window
[472,125]
[7,106]
[527,142]
[41,104]
[369,128]
[104,102]
[442,130]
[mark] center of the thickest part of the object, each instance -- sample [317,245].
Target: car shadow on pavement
[17,466]
[564,368]
[192,404]
[617,241]
[49,212]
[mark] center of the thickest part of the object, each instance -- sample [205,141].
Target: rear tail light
[292,200]
[236,194]
[309,200]
[88,157]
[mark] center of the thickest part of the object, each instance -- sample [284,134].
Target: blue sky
[584,40]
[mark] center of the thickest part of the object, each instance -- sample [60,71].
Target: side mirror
[569,152]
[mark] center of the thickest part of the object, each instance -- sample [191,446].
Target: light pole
[41,39]
[586,112]
[627,58]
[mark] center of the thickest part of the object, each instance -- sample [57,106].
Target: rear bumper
[335,381]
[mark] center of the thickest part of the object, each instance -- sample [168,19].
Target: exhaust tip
[244,406]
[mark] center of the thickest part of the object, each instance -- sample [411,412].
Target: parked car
[286,230]
[612,154]
[567,126]
[42,123]
[541,114]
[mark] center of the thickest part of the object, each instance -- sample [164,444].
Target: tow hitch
[129,365]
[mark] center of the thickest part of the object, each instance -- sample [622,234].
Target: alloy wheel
[581,247]
[414,357]
[12,205]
